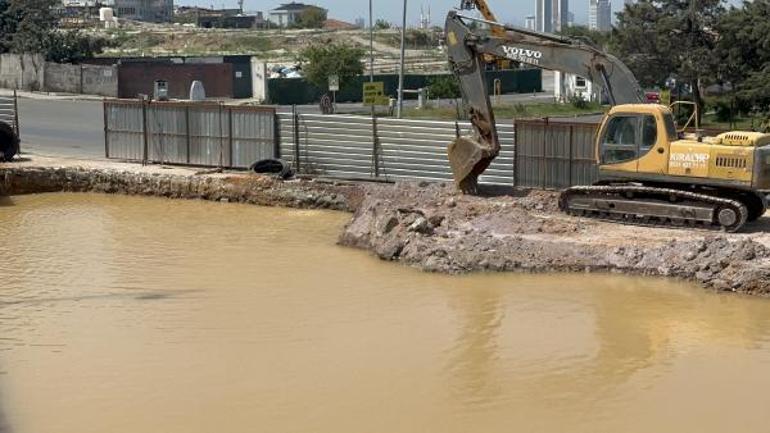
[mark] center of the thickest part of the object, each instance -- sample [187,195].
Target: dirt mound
[433,227]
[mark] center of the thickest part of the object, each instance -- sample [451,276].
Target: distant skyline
[508,11]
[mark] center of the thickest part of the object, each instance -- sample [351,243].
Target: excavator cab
[636,138]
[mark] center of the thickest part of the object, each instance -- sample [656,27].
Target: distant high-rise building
[600,15]
[570,19]
[552,15]
[424,18]
[360,23]
[544,16]
[530,22]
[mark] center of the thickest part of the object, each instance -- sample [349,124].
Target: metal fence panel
[253,136]
[208,136]
[554,154]
[202,134]
[124,130]
[343,146]
[167,134]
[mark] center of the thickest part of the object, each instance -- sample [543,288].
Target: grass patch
[534,110]
[190,43]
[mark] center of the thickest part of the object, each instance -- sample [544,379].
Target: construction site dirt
[433,227]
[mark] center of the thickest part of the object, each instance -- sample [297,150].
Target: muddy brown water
[123,314]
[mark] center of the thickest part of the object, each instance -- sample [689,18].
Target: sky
[508,11]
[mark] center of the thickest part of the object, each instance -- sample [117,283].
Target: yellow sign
[374,93]
[665,97]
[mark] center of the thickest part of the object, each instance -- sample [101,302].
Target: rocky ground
[432,227]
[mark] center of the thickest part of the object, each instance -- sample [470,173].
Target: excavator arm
[470,156]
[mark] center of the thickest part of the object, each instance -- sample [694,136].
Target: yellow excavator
[649,173]
[483,7]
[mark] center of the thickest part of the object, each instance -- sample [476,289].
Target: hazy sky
[510,11]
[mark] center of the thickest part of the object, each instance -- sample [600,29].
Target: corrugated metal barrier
[540,154]
[9,112]
[554,154]
[382,148]
[204,134]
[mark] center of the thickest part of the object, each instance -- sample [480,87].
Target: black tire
[9,142]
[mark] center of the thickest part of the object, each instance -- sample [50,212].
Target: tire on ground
[9,142]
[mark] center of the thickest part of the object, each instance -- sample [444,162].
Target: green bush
[578,101]
[723,111]
[444,87]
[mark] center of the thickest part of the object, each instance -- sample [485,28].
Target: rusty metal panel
[124,129]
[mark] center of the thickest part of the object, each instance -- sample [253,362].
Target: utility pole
[371,43]
[401,69]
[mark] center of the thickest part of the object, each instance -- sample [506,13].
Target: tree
[444,86]
[744,52]
[312,18]
[319,61]
[26,25]
[74,46]
[669,38]
[29,26]
[381,24]
[594,37]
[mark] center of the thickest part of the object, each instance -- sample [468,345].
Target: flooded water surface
[121,314]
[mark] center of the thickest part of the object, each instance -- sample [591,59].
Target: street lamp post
[371,43]
[401,69]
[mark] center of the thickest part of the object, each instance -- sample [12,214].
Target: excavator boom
[470,156]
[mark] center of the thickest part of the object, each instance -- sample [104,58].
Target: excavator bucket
[468,157]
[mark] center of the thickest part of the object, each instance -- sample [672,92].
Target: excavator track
[652,206]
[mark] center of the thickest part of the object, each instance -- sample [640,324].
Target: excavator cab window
[628,137]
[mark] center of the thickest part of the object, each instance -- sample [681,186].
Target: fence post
[276,135]
[375,146]
[16,117]
[187,130]
[515,153]
[106,130]
[543,180]
[571,155]
[145,137]
[221,138]
[230,136]
[295,127]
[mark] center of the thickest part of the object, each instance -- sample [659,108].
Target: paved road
[62,128]
[76,128]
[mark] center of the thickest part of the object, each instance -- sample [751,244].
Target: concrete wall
[85,79]
[100,80]
[62,78]
[32,73]
[22,71]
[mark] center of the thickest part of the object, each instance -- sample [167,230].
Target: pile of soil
[433,227]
